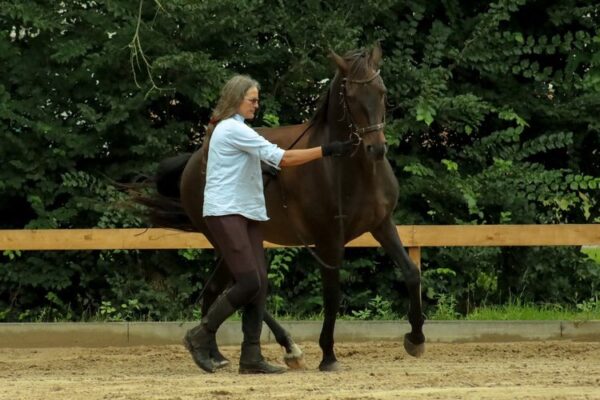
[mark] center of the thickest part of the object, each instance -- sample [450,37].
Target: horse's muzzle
[377,151]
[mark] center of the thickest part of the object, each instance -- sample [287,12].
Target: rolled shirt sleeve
[248,140]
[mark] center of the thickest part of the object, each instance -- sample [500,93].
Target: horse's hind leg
[293,357]
[387,235]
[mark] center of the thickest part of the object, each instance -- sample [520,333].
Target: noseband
[355,130]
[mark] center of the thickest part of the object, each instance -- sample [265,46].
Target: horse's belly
[284,229]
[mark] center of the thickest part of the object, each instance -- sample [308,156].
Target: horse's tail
[163,207]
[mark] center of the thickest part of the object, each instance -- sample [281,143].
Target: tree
[491,120]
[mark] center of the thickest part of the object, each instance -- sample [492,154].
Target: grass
[534,312]
[444,310]
[517,310]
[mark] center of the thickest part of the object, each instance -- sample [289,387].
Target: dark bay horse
[325,203]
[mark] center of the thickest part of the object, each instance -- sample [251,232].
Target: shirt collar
[238,117]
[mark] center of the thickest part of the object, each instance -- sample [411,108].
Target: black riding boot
[218,359]
[251,360]
[199,339]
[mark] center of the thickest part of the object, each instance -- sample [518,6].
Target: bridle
[355,130]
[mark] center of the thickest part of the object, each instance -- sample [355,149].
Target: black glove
[268,169]
[338,149]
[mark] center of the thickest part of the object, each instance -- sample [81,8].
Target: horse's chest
[368,209]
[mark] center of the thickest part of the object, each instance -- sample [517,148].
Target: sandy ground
[372,370]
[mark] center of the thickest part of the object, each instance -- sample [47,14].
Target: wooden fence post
[415,255]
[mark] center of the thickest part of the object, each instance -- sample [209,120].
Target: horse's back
[193,177]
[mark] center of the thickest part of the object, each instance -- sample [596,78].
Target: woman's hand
[338,149]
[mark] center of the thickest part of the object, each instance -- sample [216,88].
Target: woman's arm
[292,158]
[301,156]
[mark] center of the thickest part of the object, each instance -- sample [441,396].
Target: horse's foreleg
[331,304]
[387,235]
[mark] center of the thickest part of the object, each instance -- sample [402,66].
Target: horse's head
[362,96]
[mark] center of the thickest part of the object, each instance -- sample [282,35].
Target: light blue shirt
[233,175]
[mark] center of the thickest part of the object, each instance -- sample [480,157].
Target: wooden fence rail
[414,237]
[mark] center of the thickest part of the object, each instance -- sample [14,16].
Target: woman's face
[250,104]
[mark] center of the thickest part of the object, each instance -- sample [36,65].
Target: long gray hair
[232,95]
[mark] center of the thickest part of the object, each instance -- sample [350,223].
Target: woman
[234,205]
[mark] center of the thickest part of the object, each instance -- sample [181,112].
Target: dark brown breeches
[240,243]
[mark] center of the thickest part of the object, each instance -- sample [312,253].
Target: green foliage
[279,269]
[445,308]
[294,282]
[492,119]
[377,308]
[592,252]
[126,312]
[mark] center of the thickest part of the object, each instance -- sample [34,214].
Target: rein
[285,206]
[355,132]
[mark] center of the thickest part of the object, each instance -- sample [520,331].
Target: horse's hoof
[294,359]
[294,363]
[415,350]
[330,367]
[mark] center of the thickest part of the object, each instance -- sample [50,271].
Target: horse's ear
[339,61]
[376,54]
